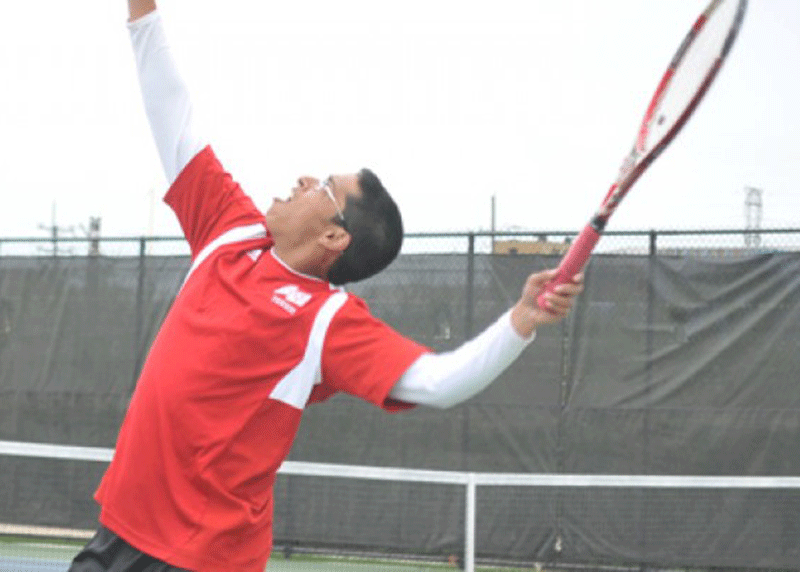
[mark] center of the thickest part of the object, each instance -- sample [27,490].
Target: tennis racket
[690,73]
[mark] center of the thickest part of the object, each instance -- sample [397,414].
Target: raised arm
[139,8]
[166,97]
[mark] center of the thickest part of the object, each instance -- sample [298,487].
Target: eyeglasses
[326,186]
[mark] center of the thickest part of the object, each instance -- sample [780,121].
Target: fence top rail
[453,234]
[84,239]
[640,232]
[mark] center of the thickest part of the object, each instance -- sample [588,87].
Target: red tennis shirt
[247,344]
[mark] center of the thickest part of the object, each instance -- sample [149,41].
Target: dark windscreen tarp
[669,365]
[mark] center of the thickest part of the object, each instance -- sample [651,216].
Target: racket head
[690,73]
[686,81]
[682,87]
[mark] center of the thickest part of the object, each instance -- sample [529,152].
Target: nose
[306,183]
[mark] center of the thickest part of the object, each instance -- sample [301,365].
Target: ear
[335,238]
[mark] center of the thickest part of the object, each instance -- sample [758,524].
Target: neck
[307,264]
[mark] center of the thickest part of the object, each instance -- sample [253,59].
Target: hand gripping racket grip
[573,261]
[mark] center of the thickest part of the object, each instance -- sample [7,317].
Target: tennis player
[259,330]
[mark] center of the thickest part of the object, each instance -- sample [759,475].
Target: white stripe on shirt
[237,234]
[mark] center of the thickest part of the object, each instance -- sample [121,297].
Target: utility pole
[55,232]
[752,215]
[494,219]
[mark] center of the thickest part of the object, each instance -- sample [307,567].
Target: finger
[557,304]
[568,290]
[566,300]
[539,280]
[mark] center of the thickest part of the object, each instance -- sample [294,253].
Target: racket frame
[638,159]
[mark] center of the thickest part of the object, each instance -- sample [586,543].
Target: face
[312,208]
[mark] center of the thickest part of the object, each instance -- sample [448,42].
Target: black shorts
[107,552]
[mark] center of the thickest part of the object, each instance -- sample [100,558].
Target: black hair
[376,229]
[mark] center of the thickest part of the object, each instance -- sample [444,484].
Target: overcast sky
[449,101]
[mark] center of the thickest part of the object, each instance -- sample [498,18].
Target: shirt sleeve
[165,95]
[443,380]
[208,202]
[364,357]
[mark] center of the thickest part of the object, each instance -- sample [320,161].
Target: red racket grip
[573,261]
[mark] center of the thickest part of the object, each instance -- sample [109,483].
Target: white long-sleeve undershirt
[437,380]
[446,379]
[166,97]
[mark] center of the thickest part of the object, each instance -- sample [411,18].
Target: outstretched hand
[526,315]
[139,8]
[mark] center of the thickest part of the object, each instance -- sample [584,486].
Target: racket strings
[689,70]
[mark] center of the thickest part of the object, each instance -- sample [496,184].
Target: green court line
[50,552]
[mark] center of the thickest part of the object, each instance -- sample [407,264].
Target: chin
[271,214]
[269,219]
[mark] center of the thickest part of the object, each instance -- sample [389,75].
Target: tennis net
[452,517]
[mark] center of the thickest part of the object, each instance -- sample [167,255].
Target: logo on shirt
[290,298]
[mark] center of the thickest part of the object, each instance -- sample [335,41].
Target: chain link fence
[679,359]
[699,242]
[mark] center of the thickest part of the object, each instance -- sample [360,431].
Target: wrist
[522,321]
[138,9]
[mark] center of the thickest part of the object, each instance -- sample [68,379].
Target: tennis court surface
[31,555]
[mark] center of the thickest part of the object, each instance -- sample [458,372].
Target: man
[256,332]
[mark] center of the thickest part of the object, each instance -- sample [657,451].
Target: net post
[138,335]
[470,294]
[469,524]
